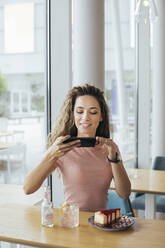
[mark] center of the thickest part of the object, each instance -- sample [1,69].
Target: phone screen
[85,141]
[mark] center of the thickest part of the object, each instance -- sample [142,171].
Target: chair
[115,201]
[139,201]
[12,155]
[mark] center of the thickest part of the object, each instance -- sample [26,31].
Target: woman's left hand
[109,147]
[122,182]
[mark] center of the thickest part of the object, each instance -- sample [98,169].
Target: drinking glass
[69,215]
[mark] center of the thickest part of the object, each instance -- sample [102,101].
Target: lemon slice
[63,206]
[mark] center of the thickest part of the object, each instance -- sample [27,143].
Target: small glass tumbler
[69,215]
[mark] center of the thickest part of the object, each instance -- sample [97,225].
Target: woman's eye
[81,112]
[93,113]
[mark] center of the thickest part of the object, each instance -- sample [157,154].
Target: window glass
[15,102]
[19,27]
[22,88]
[120,75]
[24,102]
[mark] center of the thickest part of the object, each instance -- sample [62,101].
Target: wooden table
[6,134]
[5,145]
[151,182]
[22,224]
[14,194]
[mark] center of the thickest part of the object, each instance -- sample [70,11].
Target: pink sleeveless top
[86,176]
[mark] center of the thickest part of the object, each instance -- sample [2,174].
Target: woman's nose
[86,116]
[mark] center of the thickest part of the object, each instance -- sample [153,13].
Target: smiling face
[87,115]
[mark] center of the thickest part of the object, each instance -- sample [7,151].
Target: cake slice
[107,217]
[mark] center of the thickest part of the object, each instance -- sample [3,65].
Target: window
[22,87]
[120,76]
[19,27]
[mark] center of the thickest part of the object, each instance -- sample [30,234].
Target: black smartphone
[84,141]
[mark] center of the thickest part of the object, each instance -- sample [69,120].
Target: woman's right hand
[59,149]
[36,177]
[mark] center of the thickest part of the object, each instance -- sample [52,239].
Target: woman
[86,171]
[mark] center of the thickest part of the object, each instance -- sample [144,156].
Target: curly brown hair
[65,124]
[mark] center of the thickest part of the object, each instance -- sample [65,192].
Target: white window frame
[60,69]
[143,94]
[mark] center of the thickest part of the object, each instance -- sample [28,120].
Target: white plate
[122,224]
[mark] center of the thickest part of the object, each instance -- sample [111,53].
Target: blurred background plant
[4,97]
[37,97]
